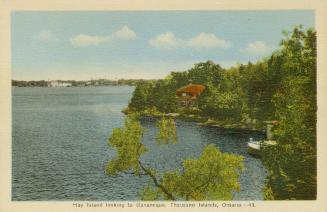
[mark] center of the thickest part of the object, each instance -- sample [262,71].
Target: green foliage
[127,141]
[167,131]
[287,178]
[295,109]
[212,176]
[148,194]
[163,97]
[158,94]
[222,105]
[140,99]
[152,111]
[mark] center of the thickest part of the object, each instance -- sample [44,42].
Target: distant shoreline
[76,83]
[89,86]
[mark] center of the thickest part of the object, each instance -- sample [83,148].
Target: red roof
[192,89]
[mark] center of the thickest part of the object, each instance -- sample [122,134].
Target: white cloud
[83,40]
[166,40]
[202,40]
[125,33]
[88,40]
[258,48]
[207,40]
[47,35]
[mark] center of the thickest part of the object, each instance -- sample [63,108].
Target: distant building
[57,83]
[188,94]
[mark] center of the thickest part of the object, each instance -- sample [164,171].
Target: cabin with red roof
[188,94]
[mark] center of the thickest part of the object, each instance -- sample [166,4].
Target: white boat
[254,147]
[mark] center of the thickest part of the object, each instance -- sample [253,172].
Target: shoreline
[201,121]
[88,86]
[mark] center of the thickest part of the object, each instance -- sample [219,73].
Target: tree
[212,176]
[295,109]
[224,106]
[140,98]
[163,96]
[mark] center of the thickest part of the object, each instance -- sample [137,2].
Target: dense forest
[281,87]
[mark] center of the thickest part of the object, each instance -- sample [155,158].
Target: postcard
[181,106]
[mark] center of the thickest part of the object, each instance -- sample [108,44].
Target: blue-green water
[59,146]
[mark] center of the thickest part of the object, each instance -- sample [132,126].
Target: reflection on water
[60,146]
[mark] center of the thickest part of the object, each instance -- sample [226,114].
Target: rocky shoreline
[202,121]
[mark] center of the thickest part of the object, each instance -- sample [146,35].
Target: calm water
[60,146]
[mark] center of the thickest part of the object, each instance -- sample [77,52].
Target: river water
[60,146]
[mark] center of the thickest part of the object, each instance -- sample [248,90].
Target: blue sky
[142,44]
